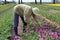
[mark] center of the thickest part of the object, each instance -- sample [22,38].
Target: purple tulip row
[45,32]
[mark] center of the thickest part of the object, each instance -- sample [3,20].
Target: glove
[38,24]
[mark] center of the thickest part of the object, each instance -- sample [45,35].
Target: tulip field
[34,31]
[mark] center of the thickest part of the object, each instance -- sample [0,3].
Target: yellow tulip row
[53,4]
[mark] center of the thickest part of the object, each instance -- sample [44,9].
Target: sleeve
[27,15]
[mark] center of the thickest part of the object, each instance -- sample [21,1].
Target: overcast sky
[32,0]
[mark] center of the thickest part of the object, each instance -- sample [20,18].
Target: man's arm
[35,17]
[54,24]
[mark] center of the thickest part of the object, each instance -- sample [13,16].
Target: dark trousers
[16,20]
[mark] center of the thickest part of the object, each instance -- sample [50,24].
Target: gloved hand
[38,23]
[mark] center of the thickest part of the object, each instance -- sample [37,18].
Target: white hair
[35,10]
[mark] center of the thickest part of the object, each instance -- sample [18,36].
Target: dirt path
[53,11]
[20,27]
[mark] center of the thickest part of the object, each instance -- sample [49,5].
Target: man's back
[20,8]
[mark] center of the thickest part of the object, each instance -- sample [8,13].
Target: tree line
[35,1]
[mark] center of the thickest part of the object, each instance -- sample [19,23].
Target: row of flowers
[45,32]
[53,4]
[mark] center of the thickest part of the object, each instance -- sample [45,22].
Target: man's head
[35,10]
